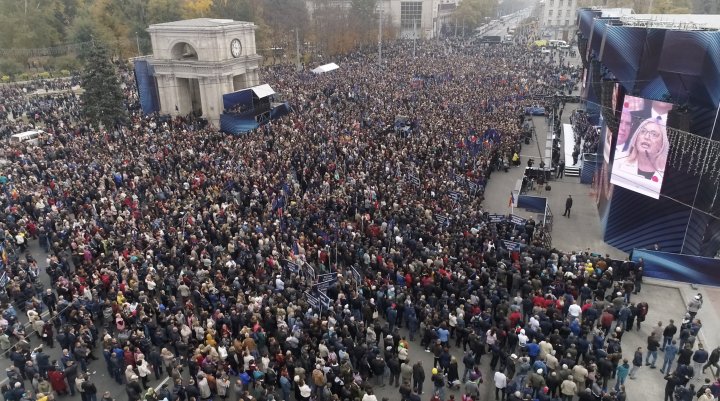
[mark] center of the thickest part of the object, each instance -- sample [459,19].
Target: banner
[444,220]
[324,299]
[511,245]
[326,277]
[309,271]
[496,218]
[313,300]
[324,285]
[517,220]
[356,276]
[413,179]
[292,266]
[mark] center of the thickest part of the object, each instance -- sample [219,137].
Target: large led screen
[642,146]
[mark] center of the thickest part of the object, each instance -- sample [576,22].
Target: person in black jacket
[394,365]
[418,377]
[672,382]
[713,361]
[685,355]
[568,206]
[378,370]
[89,389]
[133,389]
[668,334]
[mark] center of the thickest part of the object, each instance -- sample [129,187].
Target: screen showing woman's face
[650,138]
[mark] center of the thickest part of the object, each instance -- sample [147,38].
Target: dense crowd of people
[173,247]
[39,103]
[586,135]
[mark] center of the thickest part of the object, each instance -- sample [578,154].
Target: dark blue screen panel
[677,267]
[147,86]
[599,27]
[535,204]
[638,221]
[243,97]
[703,235]
[648,83]
[585,18]
[622,51]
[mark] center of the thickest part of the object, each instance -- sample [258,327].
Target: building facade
[412,18]
[557,19]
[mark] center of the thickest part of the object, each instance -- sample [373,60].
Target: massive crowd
[173,247]
[585,134]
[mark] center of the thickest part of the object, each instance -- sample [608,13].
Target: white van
[31,137]
[558,44]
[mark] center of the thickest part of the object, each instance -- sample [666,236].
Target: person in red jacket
[57,381]
[606,320]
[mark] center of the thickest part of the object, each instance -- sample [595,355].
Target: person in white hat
[694,305]
[279,283]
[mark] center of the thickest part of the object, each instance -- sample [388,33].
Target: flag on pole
[511,201]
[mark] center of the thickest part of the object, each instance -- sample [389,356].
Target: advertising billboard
[642,146]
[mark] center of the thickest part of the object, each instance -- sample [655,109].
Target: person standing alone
[568,206]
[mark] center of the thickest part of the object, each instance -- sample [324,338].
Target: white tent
[262,91]
[325,68]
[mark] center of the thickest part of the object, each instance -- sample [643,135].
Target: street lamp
[298,66]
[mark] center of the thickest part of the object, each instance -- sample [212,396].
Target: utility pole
[380,34]
[456,27]
[297,50]
[137,41]
[463,34]
[414,36]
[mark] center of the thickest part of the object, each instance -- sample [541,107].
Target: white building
[413,18]
[557,19]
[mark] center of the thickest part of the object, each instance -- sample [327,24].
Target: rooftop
[200,23]
[679,21]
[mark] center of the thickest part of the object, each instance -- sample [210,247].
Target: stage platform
[571,170]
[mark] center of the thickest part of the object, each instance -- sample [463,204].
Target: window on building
[550,12]
[560,3]
[567,22]
[410,14]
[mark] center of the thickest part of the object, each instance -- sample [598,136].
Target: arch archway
[184,51]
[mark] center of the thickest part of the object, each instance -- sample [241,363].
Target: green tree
[475,11]
[103,97]
[160,11]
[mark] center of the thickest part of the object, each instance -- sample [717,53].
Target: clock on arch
[235,48]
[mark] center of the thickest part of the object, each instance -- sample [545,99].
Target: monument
[196,61]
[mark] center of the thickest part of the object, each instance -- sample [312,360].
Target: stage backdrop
[682,68]
[677,267]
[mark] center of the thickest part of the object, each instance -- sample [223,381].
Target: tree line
[66,27]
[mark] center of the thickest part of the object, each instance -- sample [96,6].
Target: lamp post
[380,17]
[298,66]
[414,36]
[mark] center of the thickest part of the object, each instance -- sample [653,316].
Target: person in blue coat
[670,353]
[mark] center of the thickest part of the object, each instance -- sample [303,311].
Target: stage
[571,169]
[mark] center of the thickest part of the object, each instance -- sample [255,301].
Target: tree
[160,11]
[196,8]
[103,100]
[475,11]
